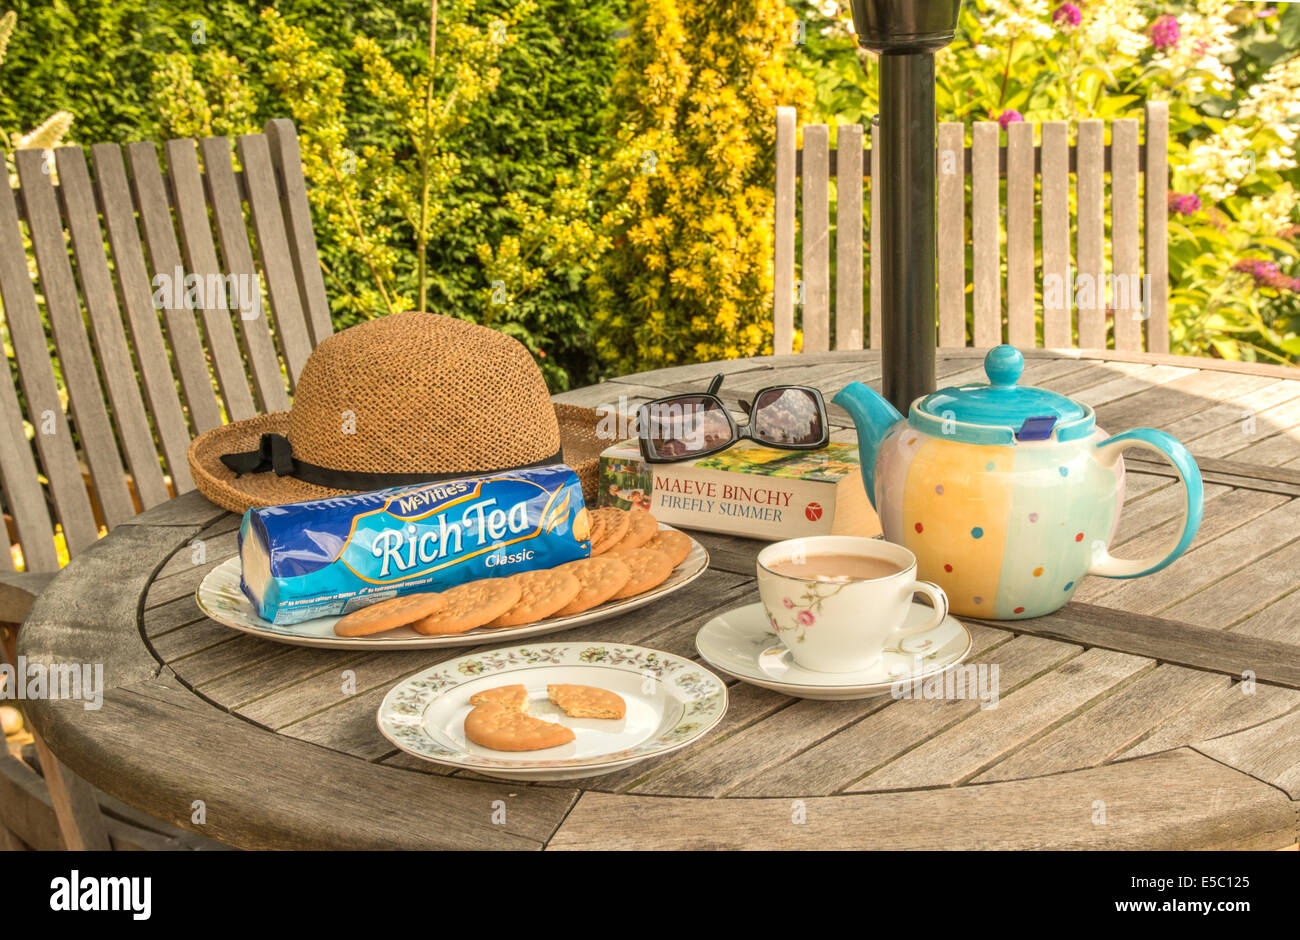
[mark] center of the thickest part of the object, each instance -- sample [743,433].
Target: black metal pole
[906,34]
[908,237]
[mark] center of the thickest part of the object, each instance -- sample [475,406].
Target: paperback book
[747,490]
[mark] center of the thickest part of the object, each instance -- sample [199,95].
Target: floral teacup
[843,625]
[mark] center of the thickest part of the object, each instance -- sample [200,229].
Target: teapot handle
[1108,454]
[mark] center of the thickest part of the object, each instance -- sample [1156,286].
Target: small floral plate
[743,644]
[671,702]
[221,598]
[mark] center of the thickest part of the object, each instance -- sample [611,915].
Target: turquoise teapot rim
[1001,411]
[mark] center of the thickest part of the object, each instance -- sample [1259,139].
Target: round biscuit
[541,593]
[676,545]
[616,523]
[389,614]
[599,578]
[641,528]
[648,568]
[471,605]
[509,729]
[587,701]
[508,696]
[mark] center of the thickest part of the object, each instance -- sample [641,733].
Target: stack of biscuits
[629,555]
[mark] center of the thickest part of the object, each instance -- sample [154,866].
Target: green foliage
[151,69]
[689,273]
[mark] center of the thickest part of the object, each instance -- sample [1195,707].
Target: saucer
[742,644]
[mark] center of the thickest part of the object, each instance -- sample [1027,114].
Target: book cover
[747,490]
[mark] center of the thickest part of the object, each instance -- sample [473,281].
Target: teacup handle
[1108,454]
[938,600]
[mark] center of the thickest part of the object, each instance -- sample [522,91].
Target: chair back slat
[1021,330]
[848,238]
[24,500]
[1126,260]
[111,349]
[1090,189]
[273,245]
[237,256]
[1058,330]
[188,354]
[135,291]
[783,234]
[76,362]
[816,239]
[877,306]
[287,158]
[952,233]
[219,298]
[984,212]
[1119,189]
[1155,243]
[116,368]
[36,374]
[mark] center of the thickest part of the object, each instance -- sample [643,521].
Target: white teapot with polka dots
[1007,495]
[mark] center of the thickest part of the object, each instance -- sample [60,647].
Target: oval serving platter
[220,597]
[671,701]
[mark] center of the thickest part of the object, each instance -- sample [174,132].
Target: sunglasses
[684,427]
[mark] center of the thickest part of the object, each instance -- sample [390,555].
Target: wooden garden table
[1123,720]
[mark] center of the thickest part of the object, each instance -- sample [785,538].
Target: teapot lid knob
[1003,365]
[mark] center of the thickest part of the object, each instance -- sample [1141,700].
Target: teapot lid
[1001,412]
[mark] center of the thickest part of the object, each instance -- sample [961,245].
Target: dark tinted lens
[787,416]
[688,424]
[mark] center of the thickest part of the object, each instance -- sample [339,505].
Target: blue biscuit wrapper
[328,557]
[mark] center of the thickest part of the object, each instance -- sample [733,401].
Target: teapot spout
[873,416]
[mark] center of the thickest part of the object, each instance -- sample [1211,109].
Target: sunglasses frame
[739,432]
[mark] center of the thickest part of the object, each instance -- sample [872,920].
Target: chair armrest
[18,589]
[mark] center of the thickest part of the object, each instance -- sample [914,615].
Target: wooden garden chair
[139,380]
[1033,182]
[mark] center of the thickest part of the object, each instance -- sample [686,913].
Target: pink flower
[1010,116]
[789,604]
[1266,274]
[1067,14]
[1165,32]
[1184,203]
[805,618]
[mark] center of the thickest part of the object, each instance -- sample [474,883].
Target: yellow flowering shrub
[688,274]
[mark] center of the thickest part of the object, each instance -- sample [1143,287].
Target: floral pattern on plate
[680,699]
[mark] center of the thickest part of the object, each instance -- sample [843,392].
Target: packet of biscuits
[328,557]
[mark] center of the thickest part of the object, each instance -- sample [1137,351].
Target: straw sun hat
[402,399]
